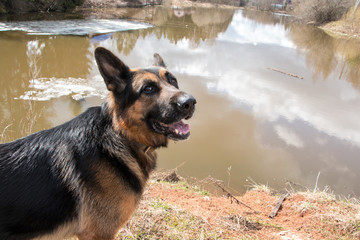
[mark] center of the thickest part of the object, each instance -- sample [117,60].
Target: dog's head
[145,104]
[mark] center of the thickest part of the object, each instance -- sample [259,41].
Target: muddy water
[252,121]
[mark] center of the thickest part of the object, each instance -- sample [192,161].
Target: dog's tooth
[176,131]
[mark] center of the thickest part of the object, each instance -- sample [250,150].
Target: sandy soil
[302,216]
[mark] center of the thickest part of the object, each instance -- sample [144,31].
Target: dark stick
[278,205]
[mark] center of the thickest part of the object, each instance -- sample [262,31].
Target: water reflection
[77,27]
[264,124]
[244,30]
[196,25]
[326,55]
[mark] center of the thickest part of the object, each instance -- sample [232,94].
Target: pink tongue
[183,128]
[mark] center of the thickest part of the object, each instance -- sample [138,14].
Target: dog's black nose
[186,104]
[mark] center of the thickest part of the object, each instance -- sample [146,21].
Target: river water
[278,102]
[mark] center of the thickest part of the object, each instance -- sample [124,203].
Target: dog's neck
[143,154]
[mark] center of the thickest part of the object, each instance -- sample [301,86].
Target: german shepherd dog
[85,177]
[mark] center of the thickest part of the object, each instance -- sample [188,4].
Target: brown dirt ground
[302,216]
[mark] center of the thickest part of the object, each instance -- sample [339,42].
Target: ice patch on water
[44,89]
[73,27]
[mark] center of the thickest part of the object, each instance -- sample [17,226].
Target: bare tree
[322,11]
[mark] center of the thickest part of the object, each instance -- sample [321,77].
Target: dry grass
[322,11]
[34,50]
[165,215]
[240,223]
[156,219]
[3,132]
[31,115]
[254,186]
[348,25]
[332,215]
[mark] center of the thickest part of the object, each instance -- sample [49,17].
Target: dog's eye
[173,82]
[171,79]
[149,89]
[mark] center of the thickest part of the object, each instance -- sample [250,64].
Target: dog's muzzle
[173,127]
[185,105]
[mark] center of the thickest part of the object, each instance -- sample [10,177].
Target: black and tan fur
[85,178]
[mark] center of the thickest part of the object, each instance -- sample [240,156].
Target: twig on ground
[278,205]
[232,198]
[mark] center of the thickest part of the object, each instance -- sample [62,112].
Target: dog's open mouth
[175,131]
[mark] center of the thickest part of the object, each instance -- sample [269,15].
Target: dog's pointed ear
[112,69]
[158,61]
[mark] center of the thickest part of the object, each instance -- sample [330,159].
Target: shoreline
[337,29]
[173,207]
[347,27]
